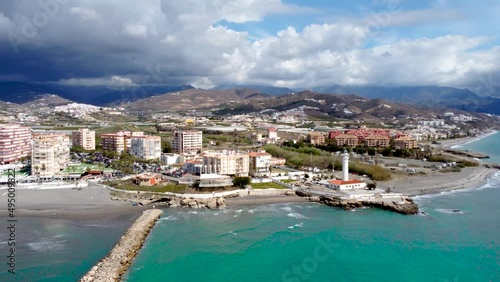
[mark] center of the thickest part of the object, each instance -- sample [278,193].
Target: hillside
[22,92]
[341,106]
[194,99]
[430,96]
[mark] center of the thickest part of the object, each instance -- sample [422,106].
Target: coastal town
[155,156]
[195,162]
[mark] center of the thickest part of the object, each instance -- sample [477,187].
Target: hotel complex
[84,138]
[50,154]
[187,142]
[15,142]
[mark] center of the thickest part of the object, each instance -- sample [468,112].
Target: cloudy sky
[291,43]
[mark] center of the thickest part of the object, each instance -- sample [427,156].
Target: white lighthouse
[345,166]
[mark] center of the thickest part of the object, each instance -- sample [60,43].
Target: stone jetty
[469,154]
[116,263]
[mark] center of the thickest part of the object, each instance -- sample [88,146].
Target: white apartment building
[15,142]
[259,163]
[227,162]
[50,154]
[118,141]
[187,142]
[84,138]
[171,159]
[145,147]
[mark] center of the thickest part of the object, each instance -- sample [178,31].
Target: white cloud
[85,14]
[167,41]
[137,30]
[113,82]
[5,23]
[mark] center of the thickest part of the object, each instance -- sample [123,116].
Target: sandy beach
[461,141]
[439,182]
[92,202]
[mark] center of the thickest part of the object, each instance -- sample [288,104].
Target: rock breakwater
[174,202]
[403,206]
[116,263]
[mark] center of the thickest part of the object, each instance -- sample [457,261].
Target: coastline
[457,143]
[95,202]
[437,183]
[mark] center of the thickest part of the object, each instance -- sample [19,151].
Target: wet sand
[439,182]
[92,202]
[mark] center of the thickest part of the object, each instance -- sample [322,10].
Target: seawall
[116,263]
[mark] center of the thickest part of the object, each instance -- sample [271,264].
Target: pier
[116,263]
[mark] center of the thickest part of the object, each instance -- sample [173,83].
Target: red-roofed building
[377,141]
[344,185]
[346,140]
[332,134]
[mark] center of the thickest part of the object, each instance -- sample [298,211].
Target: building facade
[316,138]
[118,141]
[145,147]
[377,141]
[15,142]
[187,142]
[405,142]
[50,154]
[84,138]
[226,163]
[346,140]
[260,163]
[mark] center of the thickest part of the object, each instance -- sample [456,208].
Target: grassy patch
[267,185]
[451,169]
[288,180]
[322,159]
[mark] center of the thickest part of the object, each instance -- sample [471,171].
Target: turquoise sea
[59,250]
[285,242]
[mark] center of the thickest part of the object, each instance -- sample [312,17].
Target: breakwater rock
[403,206]
[174,202]
[116,263]
[469,154]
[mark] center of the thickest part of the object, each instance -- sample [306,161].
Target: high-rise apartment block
[84,138]
[50,154]
[187,142]
[118,141]
[15,142]
[145,147]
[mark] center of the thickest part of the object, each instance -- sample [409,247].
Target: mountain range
[425,96]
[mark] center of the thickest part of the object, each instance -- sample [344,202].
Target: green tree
[241,181]
[165,147]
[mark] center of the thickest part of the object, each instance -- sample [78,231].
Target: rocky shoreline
[174,201]
[116,263]
[407,206]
